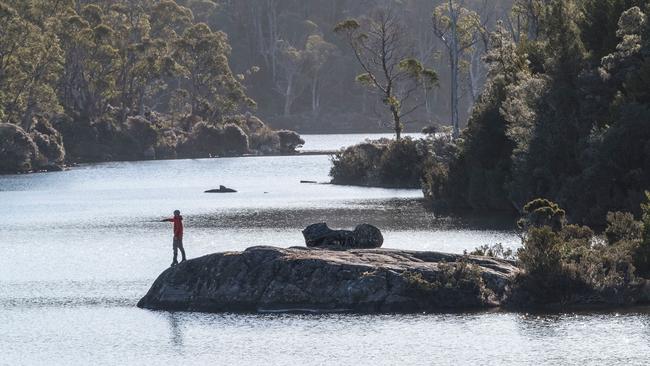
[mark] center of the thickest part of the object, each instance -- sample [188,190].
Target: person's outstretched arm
[167,220]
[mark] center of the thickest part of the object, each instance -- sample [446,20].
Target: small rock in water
[308,181]
[222,189]
[364,236]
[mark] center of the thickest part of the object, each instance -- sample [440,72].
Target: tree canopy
[553,122]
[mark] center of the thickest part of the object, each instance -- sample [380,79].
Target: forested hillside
[120,80]
[565,115]
[93,80]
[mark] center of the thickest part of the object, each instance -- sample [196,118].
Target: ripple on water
[80,247]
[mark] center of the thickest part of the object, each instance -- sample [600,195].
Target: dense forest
[564,115]
[120,80]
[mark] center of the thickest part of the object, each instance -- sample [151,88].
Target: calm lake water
[79,248]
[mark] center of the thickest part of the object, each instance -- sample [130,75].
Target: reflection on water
[176,331]
[82,246]
[120,335]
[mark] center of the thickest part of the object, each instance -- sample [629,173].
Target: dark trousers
[178,245]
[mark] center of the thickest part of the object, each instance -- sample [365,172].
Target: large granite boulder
[359,280]
[364,236]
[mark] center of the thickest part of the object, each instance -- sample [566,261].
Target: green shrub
[387,163]
[431,130]
[264,140]
[290,141]
[452,280]
[443,152]
[546,278]
[166,142]
[461,275]
[17,149]
[235,140]
[542,212]
[402,164]
[495,251]
[139,136]
[622,226]
[542,251]
[247,122]
[570,263]
[84,140]
[49,142]
[434,181]
[357,165]
[642,254]
[204,141]
[260,137]
[142,131]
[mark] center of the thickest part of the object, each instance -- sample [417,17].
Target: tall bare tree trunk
[454,55]
[315,97]
[398,123]
[288,96]
[273,36]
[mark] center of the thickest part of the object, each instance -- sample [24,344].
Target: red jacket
[178,225]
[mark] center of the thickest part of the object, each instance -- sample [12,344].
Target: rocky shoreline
[270,279]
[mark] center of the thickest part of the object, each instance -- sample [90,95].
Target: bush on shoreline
[62,139]
[570,264]
[381,163]
[17,149]
[104,87]
[40,149]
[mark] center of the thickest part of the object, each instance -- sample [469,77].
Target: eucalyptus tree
[459,29]
[318,52]
[202,61]
[91,61]
[381,49]
[30,63]
[526,18]
[290,62]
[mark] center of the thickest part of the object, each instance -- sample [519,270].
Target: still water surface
[80,247]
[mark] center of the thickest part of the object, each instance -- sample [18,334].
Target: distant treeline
[106,80]
[306,73]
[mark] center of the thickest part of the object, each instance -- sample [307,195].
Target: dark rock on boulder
[222,189]
[364,236]
[302,279]
[367,236]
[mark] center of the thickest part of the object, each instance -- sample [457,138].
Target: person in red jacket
[178,236]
